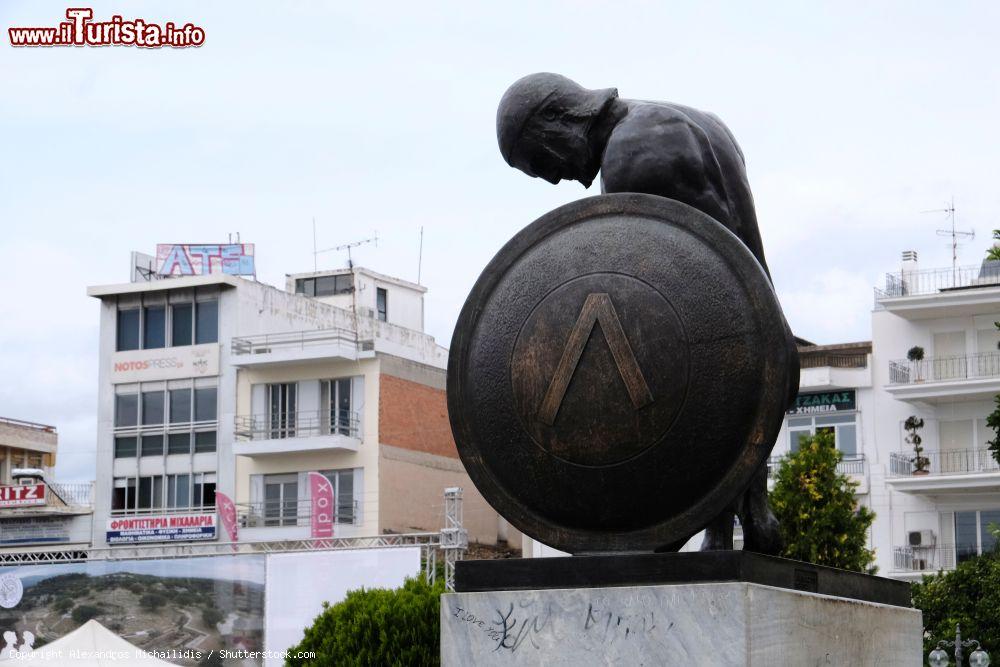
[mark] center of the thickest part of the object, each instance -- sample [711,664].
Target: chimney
[908,275]
[909,260]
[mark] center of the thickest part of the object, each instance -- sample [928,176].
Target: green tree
[820,521]
[993,253]
[151,601]
[969,595]
[211,616]
[377,627]
[993,419]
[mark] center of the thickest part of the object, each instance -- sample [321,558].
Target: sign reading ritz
[19,496]
[824,401]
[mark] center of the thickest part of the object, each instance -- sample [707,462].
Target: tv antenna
[347,247]
[949,210]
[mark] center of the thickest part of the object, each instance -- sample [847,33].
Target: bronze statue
[550,127]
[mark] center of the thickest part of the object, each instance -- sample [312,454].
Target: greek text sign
[825,401]
[22,495]
[236,259]
[161,528]
[165,363]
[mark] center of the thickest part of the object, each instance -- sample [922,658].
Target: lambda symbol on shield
[598,308]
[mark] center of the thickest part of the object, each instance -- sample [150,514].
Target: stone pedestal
[725,623]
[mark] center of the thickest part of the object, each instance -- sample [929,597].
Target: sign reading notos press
[22,495]
[824,401]
[161,528]
[165,363]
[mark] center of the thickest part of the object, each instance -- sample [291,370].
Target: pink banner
[227,511]
[321,492]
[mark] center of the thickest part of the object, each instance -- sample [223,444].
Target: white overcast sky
[854,118]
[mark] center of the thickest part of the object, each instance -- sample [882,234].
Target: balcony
[296,346]
[834,368]
[855,465]
[946,379]
[55,498]
[291,519]
[961,471]
[306,431]
[959,291]
[928,560]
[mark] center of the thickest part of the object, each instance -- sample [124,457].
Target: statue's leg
[760,526]
[719,533]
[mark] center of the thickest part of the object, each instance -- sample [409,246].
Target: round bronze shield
[618,373]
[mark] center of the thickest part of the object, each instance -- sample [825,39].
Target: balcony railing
[931,558]
[297,340]
[935,369]
[298,425]
[79,495]
[832,359]
[853,464]
[947,462]
[281,513]
[933,281]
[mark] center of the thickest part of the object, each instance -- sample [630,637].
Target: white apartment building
[221,383]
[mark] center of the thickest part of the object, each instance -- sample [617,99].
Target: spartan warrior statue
[552,128]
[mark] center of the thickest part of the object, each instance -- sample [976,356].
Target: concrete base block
[731,623]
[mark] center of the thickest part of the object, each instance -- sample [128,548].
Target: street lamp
[939,657]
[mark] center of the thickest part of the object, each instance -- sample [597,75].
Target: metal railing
[932,281]
[143,511]
[931,558]
[934,369]
[75,494]
[832,359]
[853,464]
[166,427]
[296,340]
[947,462]
[279,513]
[301,424]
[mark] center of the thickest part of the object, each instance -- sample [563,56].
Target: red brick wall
[414,416]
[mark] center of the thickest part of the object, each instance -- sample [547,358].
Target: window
[204,441]
[152,407]
[123,493]
[343,494]
[843,426]
[125,447]
[181,324]
[126,409]
[152,445]
[178,491]
[280,500]
[205,404]
[180,406]
[179,443]
[128,330]
[972,533]
[381,304]
[281,409]
[150,494]
[337,395]
[203,489]
[206,322]
[154,334]
[325,285]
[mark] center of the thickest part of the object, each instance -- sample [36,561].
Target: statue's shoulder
[655,132]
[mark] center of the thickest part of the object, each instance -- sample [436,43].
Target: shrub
[969,595]
[84,613]
[377,627]
[151,601]
[820,521]
[211,616]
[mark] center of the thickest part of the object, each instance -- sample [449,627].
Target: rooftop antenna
[949,210]
[420,254]
[315,268]
[347,247]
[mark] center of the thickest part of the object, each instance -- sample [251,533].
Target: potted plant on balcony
[920,462]
[916,354]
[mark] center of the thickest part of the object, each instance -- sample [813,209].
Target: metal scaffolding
[454,537]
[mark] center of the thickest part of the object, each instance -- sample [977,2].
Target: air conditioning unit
[921,538]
